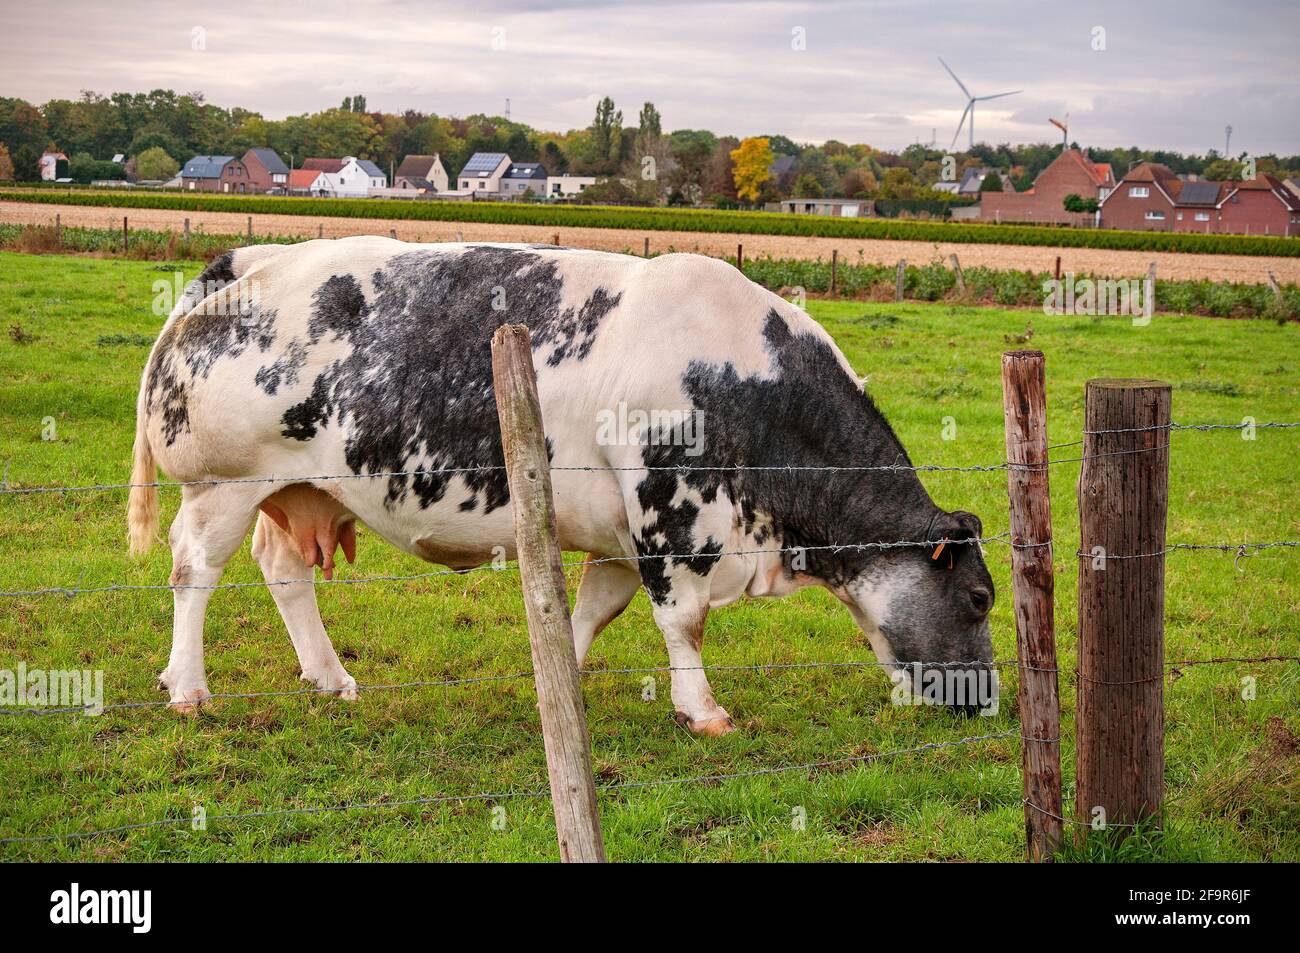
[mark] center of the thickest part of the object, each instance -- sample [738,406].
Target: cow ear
[946,535]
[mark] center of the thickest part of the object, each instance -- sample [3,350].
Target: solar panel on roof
[1198,193]
[484,162]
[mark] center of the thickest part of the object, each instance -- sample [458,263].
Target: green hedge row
[677,219]
[935,281]
[930,282]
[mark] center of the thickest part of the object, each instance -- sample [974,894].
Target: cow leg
[209,528]
[281,560]
[680,615]
[605,591]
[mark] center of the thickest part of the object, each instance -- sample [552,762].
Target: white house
[483,172]
[348,177]
[561,186]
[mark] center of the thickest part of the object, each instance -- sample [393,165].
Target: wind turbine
[1064,126]
[971,100]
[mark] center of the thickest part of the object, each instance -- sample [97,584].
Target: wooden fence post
[1024,407]
[58,231]
[126,240]
[392,233]
[961,278]
[647,247]
[835,267]
[250,228]
[740,257]
[1123,498]
[900,280]
[555,667]
[187,229]
[320,230]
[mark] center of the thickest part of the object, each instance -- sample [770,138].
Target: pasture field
[76,334]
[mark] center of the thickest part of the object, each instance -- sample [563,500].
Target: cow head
[926,607]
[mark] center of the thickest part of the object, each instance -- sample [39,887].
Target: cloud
[1170,75]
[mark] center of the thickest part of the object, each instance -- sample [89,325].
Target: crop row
[678,219]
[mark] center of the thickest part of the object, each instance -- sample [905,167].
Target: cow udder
[316,522]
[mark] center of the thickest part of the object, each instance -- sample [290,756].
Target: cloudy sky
[1168,74]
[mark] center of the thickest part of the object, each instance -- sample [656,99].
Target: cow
[309,387]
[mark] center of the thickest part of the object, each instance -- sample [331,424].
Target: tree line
[160,130]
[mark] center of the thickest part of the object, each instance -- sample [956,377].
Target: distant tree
[6,165]
[753,160]
[1224,170]
[898,183]
[806,187]
[25,134]
[154,164]
[1077,203]
[859,183]
[553,157]
[84,168]
[992,182]
[650,125]
[607,134]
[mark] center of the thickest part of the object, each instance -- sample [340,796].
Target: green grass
[1232,764]
[675,219]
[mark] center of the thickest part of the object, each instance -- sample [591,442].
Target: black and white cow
[368,355]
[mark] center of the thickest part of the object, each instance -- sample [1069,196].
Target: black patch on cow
[811,414]
[224,319]
[418,380]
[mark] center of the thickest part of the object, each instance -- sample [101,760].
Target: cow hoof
[188,703]
[344,687]
[714,727]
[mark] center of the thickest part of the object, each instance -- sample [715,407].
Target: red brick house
[1071,172]
[1259,206]
[1144,200]
[1152,198]
[266,171]
[215,174]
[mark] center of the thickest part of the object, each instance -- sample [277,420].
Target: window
[1202,216]
[191,186]
[1155,216]
[1139,191]
[1101,194]
[1180,216]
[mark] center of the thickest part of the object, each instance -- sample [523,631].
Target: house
[53,166]
[1196,204]
[348,177]
[564,186]
[308,182]
[215,174]
[840,208]
[483,172]
[1259,206]
[426,173]
[522,177]
[972,181]
[1070,173]
[1143,200]
[266,171]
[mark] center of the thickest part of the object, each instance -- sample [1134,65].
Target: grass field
[77,332]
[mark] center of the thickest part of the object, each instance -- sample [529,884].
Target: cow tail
[142,510]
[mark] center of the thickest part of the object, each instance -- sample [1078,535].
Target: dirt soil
[1101,262]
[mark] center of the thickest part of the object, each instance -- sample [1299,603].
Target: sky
[1157,75]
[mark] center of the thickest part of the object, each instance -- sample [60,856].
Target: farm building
[1071,172]
[266,171]
[422,173]
[839,208]
[563,186]
[54,166]
[215,174]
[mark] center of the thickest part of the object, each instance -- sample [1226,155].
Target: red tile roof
[323,165]
[303,178]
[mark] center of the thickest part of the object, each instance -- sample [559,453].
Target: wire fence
[1174,667]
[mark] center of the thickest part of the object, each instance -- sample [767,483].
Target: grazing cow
[372,356]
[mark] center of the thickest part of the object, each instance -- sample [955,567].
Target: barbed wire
[716,777]
[1177,426]
[977,664]
[1241,549]
[358,580]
